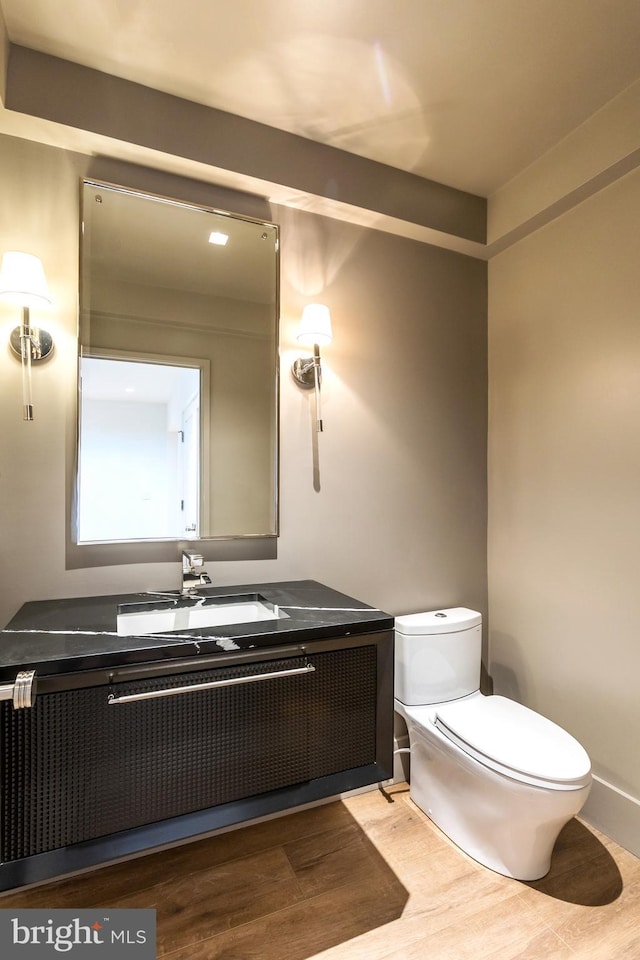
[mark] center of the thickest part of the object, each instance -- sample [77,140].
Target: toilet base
[508,826]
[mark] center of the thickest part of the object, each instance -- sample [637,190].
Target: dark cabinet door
[85,763]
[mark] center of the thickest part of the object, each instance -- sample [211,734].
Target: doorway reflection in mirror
[140,450]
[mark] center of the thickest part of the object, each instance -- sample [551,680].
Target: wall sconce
[314,330]
[23,283]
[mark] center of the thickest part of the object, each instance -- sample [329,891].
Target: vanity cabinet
[114,761]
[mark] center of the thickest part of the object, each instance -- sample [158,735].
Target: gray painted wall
[389,504]
[564,475]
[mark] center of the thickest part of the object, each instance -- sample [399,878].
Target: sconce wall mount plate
[303,372]
[41,342]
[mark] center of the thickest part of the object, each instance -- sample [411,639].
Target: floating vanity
[129,722]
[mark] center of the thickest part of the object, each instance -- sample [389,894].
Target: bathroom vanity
[129,722]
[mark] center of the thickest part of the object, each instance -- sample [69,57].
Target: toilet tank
[437,655]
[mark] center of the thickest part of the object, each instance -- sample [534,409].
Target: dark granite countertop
[64,636]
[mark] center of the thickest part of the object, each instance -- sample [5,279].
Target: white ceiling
[465,92]
[124,380]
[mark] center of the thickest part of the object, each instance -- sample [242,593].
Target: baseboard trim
[615,813]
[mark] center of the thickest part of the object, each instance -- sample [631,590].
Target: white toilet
[498,779]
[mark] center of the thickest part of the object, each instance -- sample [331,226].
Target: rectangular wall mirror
[178,411]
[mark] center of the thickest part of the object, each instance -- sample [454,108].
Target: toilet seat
[514,740]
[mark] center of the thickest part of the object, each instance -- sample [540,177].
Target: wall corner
[4,56]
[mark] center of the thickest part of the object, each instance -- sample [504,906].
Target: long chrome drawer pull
[172,691]
[22,691]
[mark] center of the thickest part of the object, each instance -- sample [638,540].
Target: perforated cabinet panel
[75,768]
[342,712]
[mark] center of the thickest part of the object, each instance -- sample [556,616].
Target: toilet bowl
[497,778]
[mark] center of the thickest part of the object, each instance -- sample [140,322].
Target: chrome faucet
[193,574]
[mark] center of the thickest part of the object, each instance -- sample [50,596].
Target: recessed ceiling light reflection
[219,239]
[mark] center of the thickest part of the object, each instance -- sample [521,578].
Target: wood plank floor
[369,878]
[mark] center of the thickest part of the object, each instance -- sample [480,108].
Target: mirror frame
[208,198]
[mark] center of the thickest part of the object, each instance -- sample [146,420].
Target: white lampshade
[315,325]
[22,280]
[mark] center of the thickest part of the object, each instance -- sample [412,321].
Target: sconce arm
[307,372]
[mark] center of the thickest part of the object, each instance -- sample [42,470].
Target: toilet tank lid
[438,621]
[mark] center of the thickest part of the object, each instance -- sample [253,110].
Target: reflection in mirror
[139,450]
[178,373]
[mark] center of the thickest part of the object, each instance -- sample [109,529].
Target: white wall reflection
[139,458]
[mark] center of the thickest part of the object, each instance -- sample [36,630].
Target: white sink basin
[140,619]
